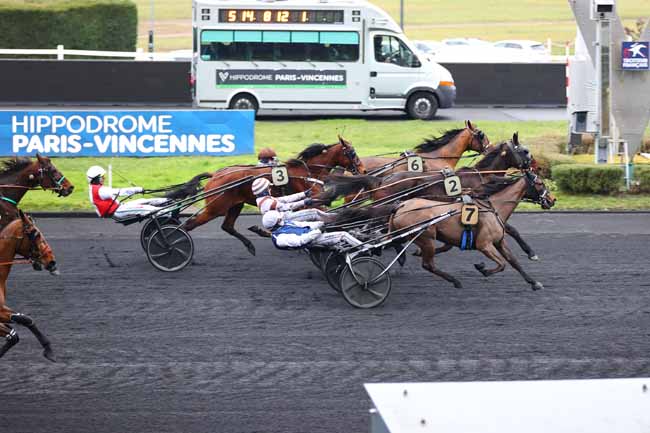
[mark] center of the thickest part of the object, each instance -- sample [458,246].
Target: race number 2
[280,176]
[414,163]
[452,185]
[469,215]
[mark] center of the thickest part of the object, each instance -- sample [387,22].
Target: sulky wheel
[150,227]
[333,268]
[363,288]
[315,256]
[170,249]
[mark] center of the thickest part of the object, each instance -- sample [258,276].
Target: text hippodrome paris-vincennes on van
[122,134]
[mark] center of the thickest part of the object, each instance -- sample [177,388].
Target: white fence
[60,52]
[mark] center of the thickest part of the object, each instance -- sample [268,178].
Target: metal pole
[401,14]
[603,78]
[151,28]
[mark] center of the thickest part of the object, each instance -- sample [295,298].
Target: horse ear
[468,125]
[39,157]
[515,138]
[343,141]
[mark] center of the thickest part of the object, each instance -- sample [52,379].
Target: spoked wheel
[170,249]
[333,268]
[150,227]
[361,285]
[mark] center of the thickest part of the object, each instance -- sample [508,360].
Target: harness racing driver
[288,204]
[287,234]
[105,199]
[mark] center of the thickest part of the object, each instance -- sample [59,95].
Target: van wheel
[422,105]
[244,101]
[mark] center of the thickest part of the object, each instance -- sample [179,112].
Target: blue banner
[127,133]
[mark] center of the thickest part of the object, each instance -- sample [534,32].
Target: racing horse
[315,162]
[19,175]
[436,152]
[506,155]
[21,236]
[504,194]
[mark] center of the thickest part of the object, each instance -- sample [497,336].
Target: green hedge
[642,176]
[76,24]
[588,179]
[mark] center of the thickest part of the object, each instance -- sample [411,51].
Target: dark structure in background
[131,82]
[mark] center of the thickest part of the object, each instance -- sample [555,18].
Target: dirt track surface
[237,343]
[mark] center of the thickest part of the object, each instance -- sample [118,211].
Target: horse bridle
[352,157]
[49,171]
[532,180]
[480,135]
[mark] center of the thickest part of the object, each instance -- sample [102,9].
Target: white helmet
[260,185]
[271,219]
[94,172]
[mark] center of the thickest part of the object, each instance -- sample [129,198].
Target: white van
[310,55]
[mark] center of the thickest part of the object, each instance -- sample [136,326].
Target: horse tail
[191,187]
[339,185]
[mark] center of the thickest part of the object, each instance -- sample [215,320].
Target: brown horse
[19,175]
[22,237]
[504,196]
[316,161]
[437,152]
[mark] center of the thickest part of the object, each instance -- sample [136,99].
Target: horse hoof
[458,285]
[251,249]
[538,286]
[533,258]
[401,260]
[47,353]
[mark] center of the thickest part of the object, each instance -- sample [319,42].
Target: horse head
[479,142]
[537,191]
[349,158]
[37,248]
[45,174]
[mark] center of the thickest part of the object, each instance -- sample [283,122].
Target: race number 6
[469,215]
[452,185]
[414,163]
[280,176]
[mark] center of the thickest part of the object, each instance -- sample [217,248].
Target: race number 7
[280,176]
[452,185]
[469,215]
[414,163]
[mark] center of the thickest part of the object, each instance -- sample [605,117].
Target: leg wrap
[22,319]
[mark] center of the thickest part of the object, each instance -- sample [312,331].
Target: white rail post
[60,52]
[110,175]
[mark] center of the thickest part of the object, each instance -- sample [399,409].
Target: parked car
[522,48]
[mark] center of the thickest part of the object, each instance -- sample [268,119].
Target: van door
[393,69]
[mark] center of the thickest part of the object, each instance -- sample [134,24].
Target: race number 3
[469,215]
[414,163]
[452,185]
[280,176]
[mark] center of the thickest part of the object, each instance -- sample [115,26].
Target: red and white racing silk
[281,204]
[105,199]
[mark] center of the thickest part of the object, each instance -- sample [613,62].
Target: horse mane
[496,184]
[434,143]
[313,150]
[14,165]
[490,156]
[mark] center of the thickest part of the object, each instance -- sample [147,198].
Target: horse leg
[11,338]
[507,254]
[522,243]
[428,253]
[229,227]
[28,322]
[491,253]
[207,214]
[444,248]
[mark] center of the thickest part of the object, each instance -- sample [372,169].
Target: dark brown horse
[504,196]
[316,161]
[19,175]
[22,237]
[437,152]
